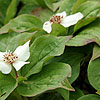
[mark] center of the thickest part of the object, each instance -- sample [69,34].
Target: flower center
[56,19]
[9,57]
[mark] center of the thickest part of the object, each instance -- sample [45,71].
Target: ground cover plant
[49,50]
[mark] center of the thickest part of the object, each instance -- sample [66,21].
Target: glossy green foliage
[65,63]
[42,49]
[7,85]
[47,79]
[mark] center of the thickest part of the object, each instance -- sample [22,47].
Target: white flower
[63,19]
[17,58]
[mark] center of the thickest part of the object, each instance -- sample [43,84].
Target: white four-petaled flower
[17,58]
[63,19]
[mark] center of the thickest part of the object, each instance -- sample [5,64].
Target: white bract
[17,58]
[63,19]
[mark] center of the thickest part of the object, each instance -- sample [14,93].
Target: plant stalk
[16,73]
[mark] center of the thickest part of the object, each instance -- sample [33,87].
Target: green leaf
[73,57]
[93,68]
[77,94]
[94,73]
[12,40]
[83,23]
[90,97]
[11,11]
[3,7]
[37,34]
[77,4]
[30,2]
[45,14]
[58,30]
[53,95]
[28,9]
[86,36]
[81,40]
[64,93]
[41,3]
[7,85]
[42,49]
[98,92]
[2,46]
[66,5]
[49,4]
[21,79]
[90,12]
[19,40]
[96,52]
[51,77]
[4,40]
[53,5]
[22,23]
[89,8]
[14,96]
[56,5]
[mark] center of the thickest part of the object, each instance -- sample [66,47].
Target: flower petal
[19,64]
[5,68]
[62,14]
[72,19]
[47,26]
[23,52]
[1,56]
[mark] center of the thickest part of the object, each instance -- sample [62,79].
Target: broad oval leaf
[77,4]
[76,95]
[83,23]
[2,46]
[94,73]
[96,52]
[66,5]
[73,56]
[51,77]
[19,39]
[93,68]
[45,14]
[15,96]
[86,36]
[11,11]
[22,23]
[48,3]
[4,40]
[64,93]
[7,85]
[50,96]
[58,30]
[41,50]
[90,97]
[3,7]
[89,8]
